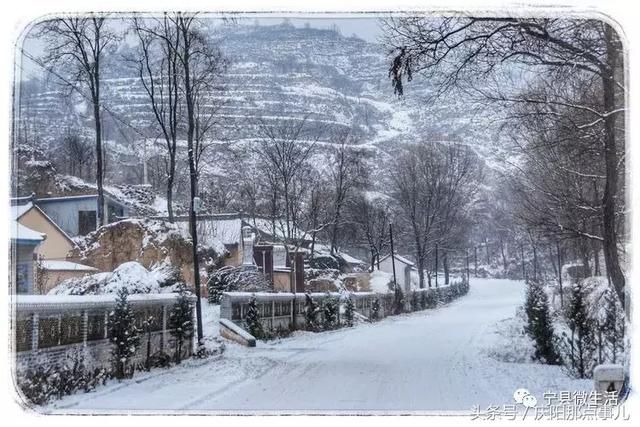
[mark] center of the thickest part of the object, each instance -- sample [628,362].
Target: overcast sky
[365,27]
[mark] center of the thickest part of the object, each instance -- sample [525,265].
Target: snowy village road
[431,360]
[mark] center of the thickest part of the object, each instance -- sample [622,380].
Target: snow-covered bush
[131,276]
[579,345]
[45,381]
[415,302]
[252,319]
[123,334]
[375,310]
[349,310]
[235,279]
[398,301]
[330,313]
[181,321]
[311,311]
[324,263]
[539,324]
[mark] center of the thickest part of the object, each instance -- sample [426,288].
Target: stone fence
[49,328]
[286,311]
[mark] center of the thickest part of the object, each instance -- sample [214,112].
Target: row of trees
[559,85]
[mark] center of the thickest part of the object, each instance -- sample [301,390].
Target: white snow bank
[130,275]
[379,281]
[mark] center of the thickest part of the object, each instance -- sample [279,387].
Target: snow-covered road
[426,361]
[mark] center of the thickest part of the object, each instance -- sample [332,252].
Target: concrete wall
[48,329]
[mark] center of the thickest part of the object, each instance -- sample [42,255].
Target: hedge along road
[433,360]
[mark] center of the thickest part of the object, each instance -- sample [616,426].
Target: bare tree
[77,154]
[454,50]
[284,149]
[426,179]
[372,218]
[158,69]
[347,174]
[77,47]
[199,61]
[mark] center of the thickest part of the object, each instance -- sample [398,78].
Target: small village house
[49,264]
[404,267]
[283,268]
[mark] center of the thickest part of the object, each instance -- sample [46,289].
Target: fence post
[85,326]
[35,331]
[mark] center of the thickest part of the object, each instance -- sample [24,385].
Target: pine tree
[581,346]
[215,288]
[252,319]
[613,326]
[349,310]
[329,313]
[414,301]
[375,310]
[310,313]
[123,334]
[181,320]
[539,325]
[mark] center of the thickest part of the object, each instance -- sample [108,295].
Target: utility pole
[393,261]
[195,208]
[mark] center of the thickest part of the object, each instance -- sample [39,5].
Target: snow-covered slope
[277,72]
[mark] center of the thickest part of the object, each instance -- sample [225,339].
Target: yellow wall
[282,281]
[56,245]
[53,278]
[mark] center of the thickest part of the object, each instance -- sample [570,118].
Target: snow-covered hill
[277,72]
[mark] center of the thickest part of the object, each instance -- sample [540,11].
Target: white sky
[365,27]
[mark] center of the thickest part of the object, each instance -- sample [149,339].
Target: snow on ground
[436,360]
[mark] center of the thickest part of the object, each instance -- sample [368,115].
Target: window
[86,222]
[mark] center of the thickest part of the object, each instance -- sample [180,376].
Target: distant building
[404,267]
[77,215]
[223,232]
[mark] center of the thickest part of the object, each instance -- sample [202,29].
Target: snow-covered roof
[399,258]
[65,266]
[349,259]
[18,210]
[20,232]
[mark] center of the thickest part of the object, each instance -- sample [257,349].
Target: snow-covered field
[430,361]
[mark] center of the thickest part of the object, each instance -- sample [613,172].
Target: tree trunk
[610,239]
[192,174]
[99,164]
[170,178]
[504,256]
[445,266]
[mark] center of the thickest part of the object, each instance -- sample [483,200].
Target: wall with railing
[51,328]
[286,311]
